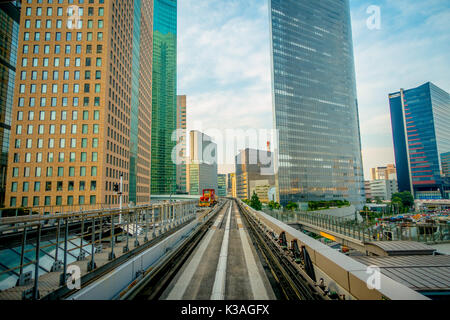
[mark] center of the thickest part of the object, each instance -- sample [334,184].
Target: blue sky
[224,63]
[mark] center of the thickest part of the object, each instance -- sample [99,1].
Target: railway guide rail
[292,282]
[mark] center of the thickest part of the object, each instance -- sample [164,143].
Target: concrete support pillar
[160,220]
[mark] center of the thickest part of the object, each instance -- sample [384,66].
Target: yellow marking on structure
[238,220]
[328,236]
[216,224]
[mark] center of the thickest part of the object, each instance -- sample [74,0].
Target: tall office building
[82,103]
[181,144]
[314,102]
[445,160]
[254,171]
[9,35]
[420,124]
[222,185]
[164,112]
[384,173]
[203,163]
[231,185]
[229,182]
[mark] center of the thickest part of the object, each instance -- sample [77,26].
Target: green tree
[292,206]
[313,205]
[254,202]
[397,204]
[378,200]
[274,205]
[405,197]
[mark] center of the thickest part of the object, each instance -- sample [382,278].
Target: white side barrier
[112,284]
[341,270]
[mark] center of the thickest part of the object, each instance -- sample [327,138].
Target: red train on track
[208,199]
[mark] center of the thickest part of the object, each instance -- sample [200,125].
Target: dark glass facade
[222,185]
[400,147]
[421,131]
[135,74]
[141,102]
[9,34]
[314,102]
[445,160]
[164,108]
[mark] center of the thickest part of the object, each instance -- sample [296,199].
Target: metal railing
[56,209]
[85,233]
[428,233]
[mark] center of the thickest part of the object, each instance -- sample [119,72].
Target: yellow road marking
[328,236]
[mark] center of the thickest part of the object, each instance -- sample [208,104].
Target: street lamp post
[120,197]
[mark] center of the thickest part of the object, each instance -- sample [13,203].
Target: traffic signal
[116,187]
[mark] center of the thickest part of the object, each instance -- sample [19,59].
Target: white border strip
[185,279]
[256,283]
[218,292]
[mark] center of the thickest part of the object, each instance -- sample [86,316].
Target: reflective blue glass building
[314,102]
[9,35]
[164,112]
[421,131]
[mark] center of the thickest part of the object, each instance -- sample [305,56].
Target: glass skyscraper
[314,102]
[421,131]
[202,163]
[9,35]
[164,109]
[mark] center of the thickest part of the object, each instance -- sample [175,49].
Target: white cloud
[378,125]
[224,63]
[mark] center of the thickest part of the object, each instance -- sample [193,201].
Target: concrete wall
[112,284]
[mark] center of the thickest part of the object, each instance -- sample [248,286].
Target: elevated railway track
[227,252]
[290,281]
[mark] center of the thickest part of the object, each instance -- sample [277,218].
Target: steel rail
[159,277]
[292,284]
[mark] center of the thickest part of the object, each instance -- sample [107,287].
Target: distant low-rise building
[254,171]
[261,188]
[368,190]
[383,189]
[384,173]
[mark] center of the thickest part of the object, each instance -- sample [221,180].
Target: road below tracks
[224,265]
